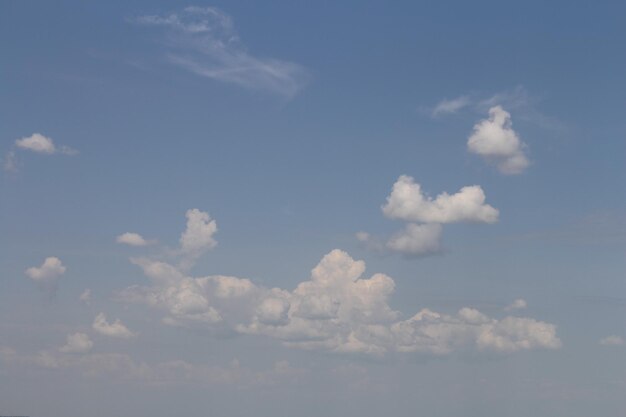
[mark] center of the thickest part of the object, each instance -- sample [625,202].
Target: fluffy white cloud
[49,272]
[518,304]
[77,343]
[407,202]
[132,239]
[198,236]
[613,340]
[203,41]
[417,240]
[42,144]
[336,310]
[495,140]
[115,329]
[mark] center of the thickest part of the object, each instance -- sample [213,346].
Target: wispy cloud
[446,106]
[203,40]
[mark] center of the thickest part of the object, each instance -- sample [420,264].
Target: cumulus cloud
[337,309]
[115,329]
[451,106]
[518,304]
[613,340]
[203,40]
[495,140]
[198,236]
[77,343]
[407,202]
[132,239]
[47,275]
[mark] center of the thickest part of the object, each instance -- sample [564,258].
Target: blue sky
[294,208]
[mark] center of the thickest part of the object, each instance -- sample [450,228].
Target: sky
[312,208]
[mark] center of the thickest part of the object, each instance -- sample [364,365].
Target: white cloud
[613,340]
[10,162]
[336,310]
[42,144]
[451,106]
[85,296]
[203,40]
[115,329]
[77,343]
[518,304]
[49,272]
[133,239]
[407,202]
[198,236]
[495,140]
[417,240]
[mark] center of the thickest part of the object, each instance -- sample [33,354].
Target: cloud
[336,310]
[417,240]
[495,140]
[407,202]
[42,144]
[115,329]
[518,304]
[613,341]
[203,40]
[133,239]
[48,274]
[446,106]
[77,343]
[198,236]
[85,296]
[35,143]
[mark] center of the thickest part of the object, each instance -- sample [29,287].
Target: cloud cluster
[37,143]
[495,140]
[203,40]
[426,215]
[116,329]
[337,309]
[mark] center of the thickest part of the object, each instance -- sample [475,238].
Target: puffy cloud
[518,304]
[77,343]
[451,106]
[336,309]
[407,202]
[613,340]
[203,40]
[132,239]
[417,240]
[495,140]
[115,329]
[48,273]
[42,144]
[198,236]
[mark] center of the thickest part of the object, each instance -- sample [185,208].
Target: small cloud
[85,297]
[495,140]
[115,329]
[49,272]
[613,341]
[10,162]
[133,239]
[518,304]
[446,106]
[198,236]
[77,343]
[417,240]
[37,143]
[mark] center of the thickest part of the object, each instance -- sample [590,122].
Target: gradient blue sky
[289,123]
